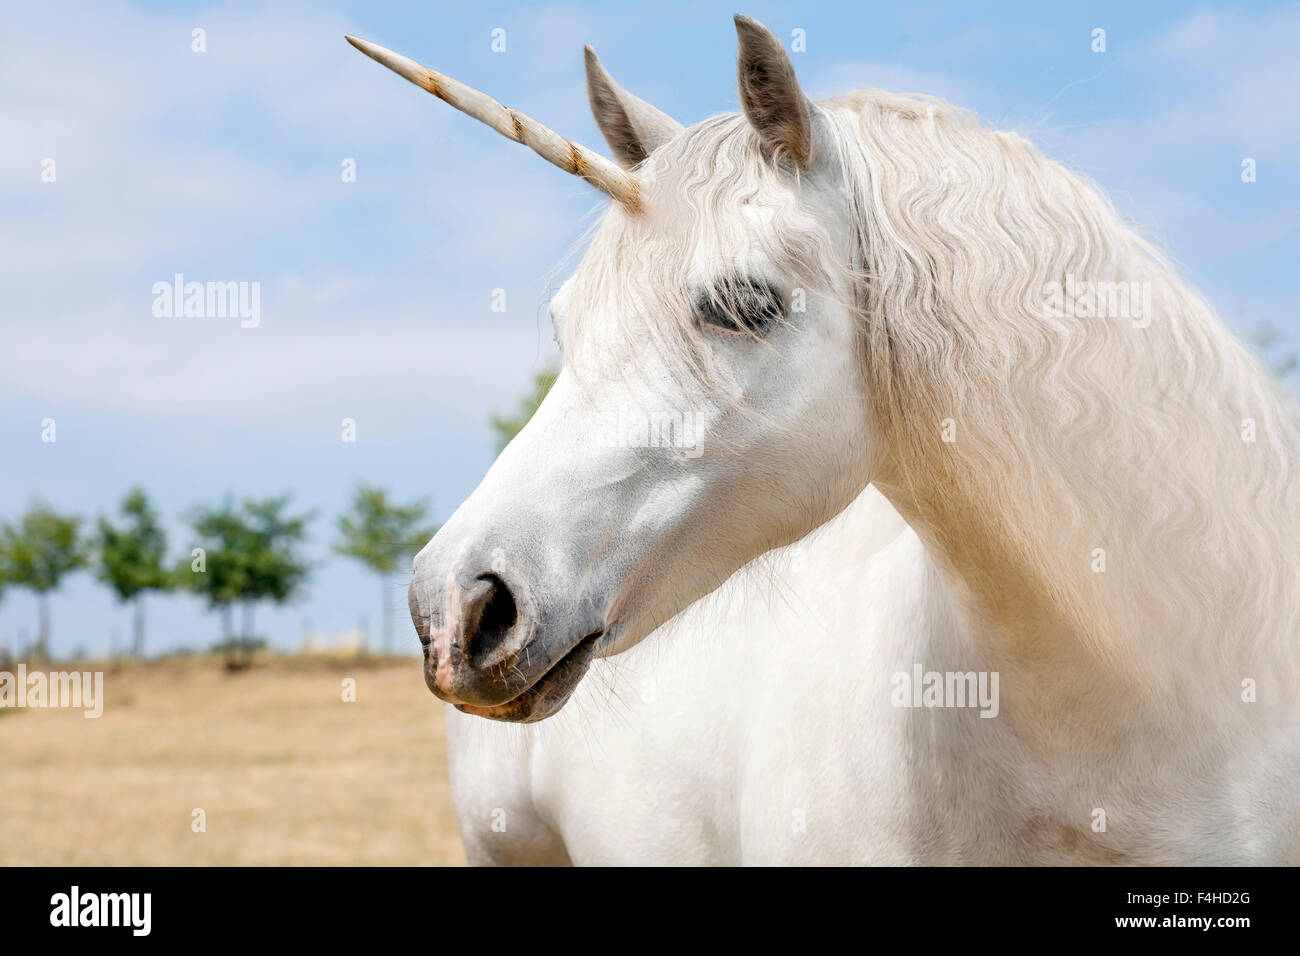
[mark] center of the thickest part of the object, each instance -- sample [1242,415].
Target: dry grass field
[286,772]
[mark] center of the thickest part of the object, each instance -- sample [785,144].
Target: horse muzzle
[492,648]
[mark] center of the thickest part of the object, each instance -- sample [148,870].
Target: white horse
[755,727]
[1100,486]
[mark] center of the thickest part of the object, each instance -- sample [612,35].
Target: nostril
[497,613]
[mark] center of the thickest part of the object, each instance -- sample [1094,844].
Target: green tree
[508,426]
[382,535]
[36,554]
[4,583]
[249,554]
[131,558]
[216,570]
[1279,360]
[276,570]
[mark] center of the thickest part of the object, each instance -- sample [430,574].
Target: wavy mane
[1131,434]
[1072,432]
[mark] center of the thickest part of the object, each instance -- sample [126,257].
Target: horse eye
[740,305]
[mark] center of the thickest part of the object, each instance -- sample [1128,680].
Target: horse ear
[770,95]
[631,126]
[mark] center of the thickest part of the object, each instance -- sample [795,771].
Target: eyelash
[743,306]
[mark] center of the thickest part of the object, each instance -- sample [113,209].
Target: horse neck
[1111,497]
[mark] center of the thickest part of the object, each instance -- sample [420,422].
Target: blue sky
[376,294]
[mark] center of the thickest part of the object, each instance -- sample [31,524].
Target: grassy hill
[285,771]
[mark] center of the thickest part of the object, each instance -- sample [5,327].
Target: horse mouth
[548,693]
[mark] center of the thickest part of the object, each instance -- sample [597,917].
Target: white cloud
[148,186]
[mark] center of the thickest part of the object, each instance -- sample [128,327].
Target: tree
[36,554]
[381,534]
[1268,344]
[276,571]
[248,554]
[217,571]
[4,583]
[131,558]
[508,426]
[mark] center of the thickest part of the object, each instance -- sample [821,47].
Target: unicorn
[909,457]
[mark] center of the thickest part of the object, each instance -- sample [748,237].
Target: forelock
[713,203]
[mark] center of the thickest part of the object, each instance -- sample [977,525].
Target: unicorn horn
[572,157]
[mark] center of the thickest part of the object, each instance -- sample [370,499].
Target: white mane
[1076,432]
[1072,433]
